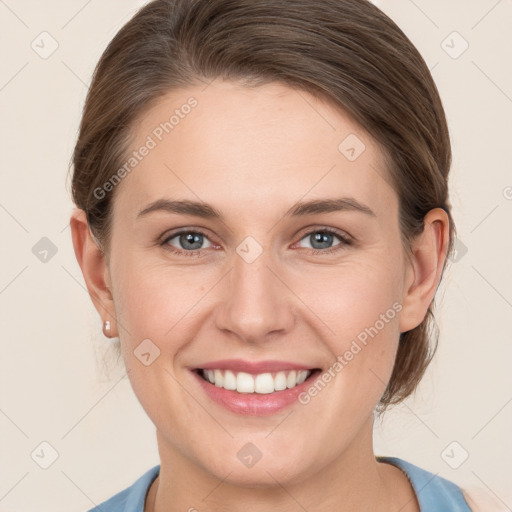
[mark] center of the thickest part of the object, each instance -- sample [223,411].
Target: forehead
[241,147]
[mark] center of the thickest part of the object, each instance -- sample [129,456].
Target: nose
[256,303]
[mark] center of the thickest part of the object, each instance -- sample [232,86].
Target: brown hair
[346,51]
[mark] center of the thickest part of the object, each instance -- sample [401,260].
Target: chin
[261,464]
[263,474]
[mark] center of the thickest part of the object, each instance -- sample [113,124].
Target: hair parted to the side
[345,51]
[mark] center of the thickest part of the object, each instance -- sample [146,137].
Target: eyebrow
[301,209]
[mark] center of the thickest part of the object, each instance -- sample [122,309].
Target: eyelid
[180,231]
[343,235]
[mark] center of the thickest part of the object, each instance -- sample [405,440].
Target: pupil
[322,238]
[191,238]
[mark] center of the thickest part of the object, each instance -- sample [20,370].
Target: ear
[95,270]
[424,268]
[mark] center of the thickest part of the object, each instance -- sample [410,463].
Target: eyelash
[345,241]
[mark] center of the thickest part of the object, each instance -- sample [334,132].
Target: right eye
[186,242]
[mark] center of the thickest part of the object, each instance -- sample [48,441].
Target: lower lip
[254,404]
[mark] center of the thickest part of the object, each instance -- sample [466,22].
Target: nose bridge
[255,302]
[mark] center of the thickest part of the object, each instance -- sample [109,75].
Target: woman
[263,221]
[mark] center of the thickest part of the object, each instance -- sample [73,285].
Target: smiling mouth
[261,383]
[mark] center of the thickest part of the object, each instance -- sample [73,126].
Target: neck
[354,481]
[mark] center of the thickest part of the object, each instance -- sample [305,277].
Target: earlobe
[424,268]
[94,268]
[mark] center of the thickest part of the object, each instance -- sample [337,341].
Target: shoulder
[433,492]
[481,501]
[132,498]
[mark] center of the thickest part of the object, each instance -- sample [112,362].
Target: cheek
[358,308]
[352,298]
[152,301]
[155,312]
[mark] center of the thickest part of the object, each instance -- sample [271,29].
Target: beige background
[54,386]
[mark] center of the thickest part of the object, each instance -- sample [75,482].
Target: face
[290,266]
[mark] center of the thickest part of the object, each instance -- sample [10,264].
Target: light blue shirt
[434,494]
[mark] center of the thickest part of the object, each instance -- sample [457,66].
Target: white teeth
[280,381]
[263,383]
[291,380]
[244,383]
[301,376]
[219,378]
[229,380]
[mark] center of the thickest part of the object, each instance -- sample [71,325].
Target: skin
[253,153]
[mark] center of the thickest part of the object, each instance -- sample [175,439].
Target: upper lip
[254,367]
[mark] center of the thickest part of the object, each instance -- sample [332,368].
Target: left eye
[322,239]
[188,240]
